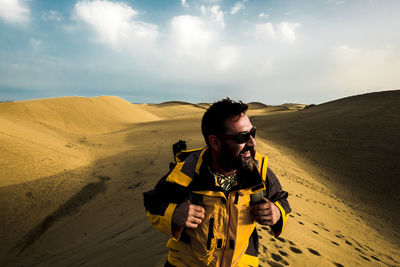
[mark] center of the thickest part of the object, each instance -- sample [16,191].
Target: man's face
[234,155]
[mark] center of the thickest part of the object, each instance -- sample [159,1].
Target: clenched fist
[266,213]
[188,215]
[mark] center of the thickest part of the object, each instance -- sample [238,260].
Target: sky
[270,51]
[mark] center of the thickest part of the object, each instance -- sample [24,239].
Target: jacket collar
[204,180]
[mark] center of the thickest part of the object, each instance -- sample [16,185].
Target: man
[210,201]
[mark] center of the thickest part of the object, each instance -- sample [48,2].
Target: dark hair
[214,119]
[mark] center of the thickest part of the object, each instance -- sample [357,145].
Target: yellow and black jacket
[227,236]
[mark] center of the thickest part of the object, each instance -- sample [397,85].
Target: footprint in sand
[274,264]
[283,253]
[359,250]
[278,258]
[333,242]
[365,258]
[281,239]
[314,252]
[315,232]
[301,223]
[348,243]
[296,250]
[375,258]
[369,248]
[338,264]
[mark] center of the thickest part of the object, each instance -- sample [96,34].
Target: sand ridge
[51,134]
[354,144]
[92,213]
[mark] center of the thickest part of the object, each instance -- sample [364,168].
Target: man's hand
[188,215]
[266,213]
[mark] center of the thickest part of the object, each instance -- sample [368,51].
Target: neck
[217,167]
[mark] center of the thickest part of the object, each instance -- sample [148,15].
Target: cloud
[200,51]
[184,4]
[226,57]
[14,11]
[237,7]
[191,36]
[114,23]
[265,31]
[362,69]
[52,15]
[284,31]
[215,13]
[287,31]
[203,10]
[263,15]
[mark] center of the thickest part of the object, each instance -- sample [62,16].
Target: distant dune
[51,133]
[173,103]
[73,170]
[256,105]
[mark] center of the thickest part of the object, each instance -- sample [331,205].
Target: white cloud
[184,3]
[287,31]
[217,15]
[237,7]
[203,10]
[191,36]
[199,48]
[52,15]
[35,42]
[114,23]
[263,15]
[284,31]
[339,2]
[14,11]
[226,57]
[361,68]
[265,30]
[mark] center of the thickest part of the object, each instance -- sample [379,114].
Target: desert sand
[73,170]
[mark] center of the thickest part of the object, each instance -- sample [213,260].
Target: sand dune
[256,105]
[174,109]
[47,136]
[355,143]
[73,171]
[71,114]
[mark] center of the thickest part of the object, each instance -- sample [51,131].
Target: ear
[215,143]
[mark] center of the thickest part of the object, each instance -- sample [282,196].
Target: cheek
[239,148]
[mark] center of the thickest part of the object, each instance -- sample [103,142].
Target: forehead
[238,124]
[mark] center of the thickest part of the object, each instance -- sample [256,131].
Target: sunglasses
[240,138]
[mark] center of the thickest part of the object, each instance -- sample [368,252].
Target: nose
[251,141]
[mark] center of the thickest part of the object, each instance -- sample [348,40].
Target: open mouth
[246,153]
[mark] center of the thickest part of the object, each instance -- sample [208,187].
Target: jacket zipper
[210,233]
[227,228]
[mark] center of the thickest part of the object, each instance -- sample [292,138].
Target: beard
[229,161]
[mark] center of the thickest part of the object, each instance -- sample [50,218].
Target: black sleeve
[157,200]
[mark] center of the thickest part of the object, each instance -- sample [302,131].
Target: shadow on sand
[70,207]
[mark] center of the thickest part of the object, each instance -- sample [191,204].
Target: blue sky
[198,51]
